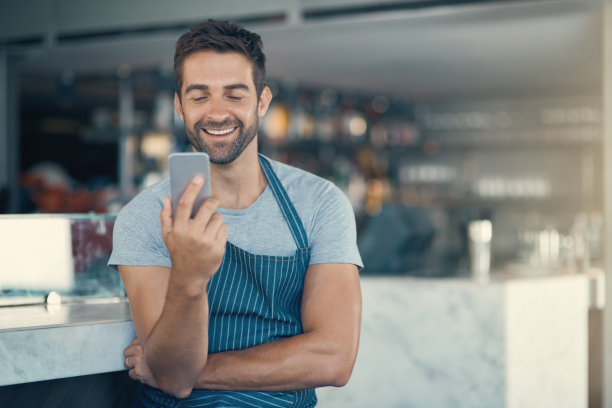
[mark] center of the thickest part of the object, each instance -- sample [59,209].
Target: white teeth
[219,132]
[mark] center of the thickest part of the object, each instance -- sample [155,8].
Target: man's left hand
[136,363]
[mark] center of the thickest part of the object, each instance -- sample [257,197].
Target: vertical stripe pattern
[254,299]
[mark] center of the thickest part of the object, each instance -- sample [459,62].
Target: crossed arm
[323,355]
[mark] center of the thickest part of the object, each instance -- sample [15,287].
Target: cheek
[246,113]
[192,116]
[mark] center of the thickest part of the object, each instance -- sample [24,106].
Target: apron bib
[253,299]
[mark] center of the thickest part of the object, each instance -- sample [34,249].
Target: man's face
[219,104]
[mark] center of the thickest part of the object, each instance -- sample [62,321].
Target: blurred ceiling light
[276,123]
[304,125]
[156,144]
[357,126]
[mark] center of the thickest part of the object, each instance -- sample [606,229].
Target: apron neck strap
[287,208]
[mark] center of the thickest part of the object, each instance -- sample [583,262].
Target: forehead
[214,68]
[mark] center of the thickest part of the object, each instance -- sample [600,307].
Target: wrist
[189,286]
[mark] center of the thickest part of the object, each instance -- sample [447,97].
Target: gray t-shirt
[260,229]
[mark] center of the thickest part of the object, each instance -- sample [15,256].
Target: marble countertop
[116,310]
[56,341]
[41,342]
[515,342]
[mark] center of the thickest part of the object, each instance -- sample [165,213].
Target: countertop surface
[42,342]
[68,314]
[118,309]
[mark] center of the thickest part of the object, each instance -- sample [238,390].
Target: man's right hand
[197,245]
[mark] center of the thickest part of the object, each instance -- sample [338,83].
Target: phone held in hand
[183,168]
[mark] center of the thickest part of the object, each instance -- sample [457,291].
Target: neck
[238,184]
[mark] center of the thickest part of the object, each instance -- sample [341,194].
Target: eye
[200,98]
[234,98]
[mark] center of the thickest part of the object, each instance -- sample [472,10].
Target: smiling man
[255,301]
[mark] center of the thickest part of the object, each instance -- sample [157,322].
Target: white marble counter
[65,340]
[435,343]
[455,343]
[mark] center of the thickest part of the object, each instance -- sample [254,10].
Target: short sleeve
[333,230]
[137,239]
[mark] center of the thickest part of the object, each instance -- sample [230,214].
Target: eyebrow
[201,87]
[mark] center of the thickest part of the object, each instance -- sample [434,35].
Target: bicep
[146,288]
[331,302]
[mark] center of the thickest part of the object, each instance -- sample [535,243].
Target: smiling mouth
[220,132]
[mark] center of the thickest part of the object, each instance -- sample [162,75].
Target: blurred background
[428,114]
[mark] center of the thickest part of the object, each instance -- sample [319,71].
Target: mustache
[218,125]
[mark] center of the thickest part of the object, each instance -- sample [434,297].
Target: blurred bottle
[480,233]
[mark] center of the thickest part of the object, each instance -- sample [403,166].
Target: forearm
[176,349]
[303,361]
[324,355]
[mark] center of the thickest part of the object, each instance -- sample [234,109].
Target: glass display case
[52,258]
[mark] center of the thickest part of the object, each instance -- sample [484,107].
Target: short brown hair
[221,36]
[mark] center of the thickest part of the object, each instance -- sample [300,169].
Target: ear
[264,101]
[178,107]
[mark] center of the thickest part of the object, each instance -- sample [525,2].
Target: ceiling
[529,47]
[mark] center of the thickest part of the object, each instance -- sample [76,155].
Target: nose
[217,110]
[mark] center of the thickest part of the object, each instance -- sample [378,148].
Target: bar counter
[45,342]
[512,342]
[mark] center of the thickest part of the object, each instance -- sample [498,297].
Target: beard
[222,152]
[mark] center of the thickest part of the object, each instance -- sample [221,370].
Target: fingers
[132,353]
[130,362]
[165,216]
[138,371]
[215,227]
[132,350]
[133,376]
[222,233]
[205,213]
[184,207]
[135,363]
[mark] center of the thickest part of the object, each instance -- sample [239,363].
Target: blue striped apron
[253,299]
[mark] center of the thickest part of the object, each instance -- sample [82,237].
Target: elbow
[178,391]
[338,362]
[181,385]
[179,388]
[340,369]
[340,376]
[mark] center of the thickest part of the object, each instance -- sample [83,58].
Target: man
[255,301]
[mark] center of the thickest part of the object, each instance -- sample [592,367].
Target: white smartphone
[183,168]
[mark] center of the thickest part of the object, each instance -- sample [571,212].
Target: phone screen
[183,168]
